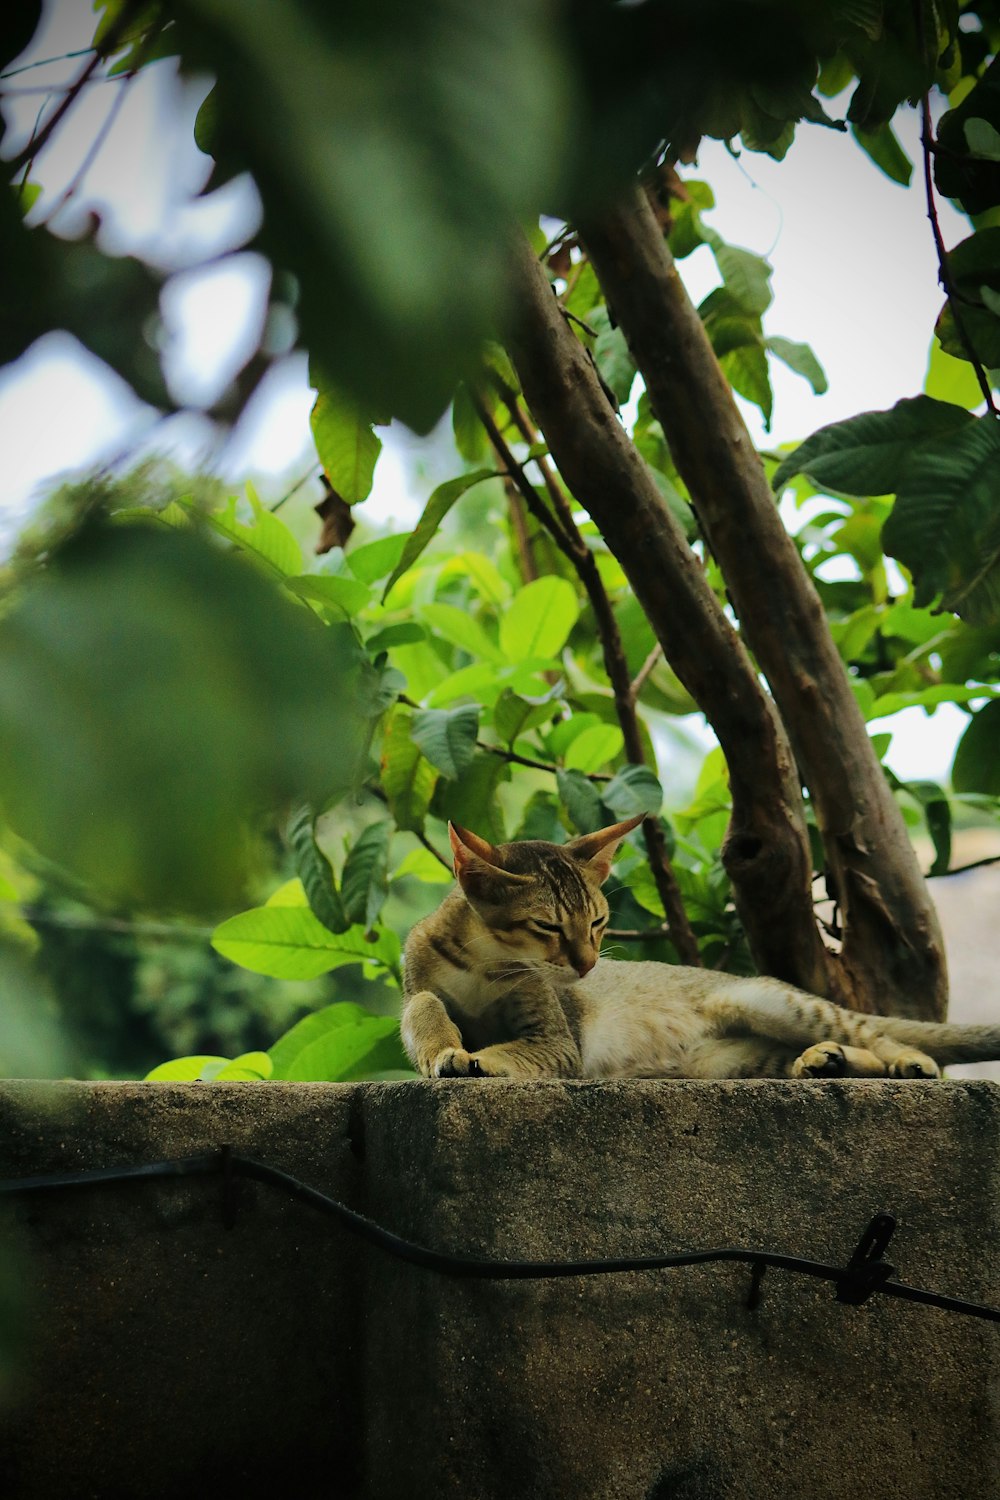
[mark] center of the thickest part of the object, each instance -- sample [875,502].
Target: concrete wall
[171,1355]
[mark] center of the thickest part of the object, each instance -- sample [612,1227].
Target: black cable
[865,1275]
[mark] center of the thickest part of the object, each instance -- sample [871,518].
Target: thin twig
[977,864]
[37,142]
[101,136]
[313,471]
[564,531]
[432,850]
[944,271]
[380,796]
[46,62]
[535,765]
[512,756]
[641,677]
[174,931]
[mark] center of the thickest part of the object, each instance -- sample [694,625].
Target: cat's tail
[946,1042]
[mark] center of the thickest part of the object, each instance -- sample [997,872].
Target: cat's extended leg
[541,1044]
[780,1013]
[428,1032]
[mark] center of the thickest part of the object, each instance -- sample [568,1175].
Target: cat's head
[541,903]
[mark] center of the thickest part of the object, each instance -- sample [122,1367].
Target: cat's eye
[598,922]
[545,926]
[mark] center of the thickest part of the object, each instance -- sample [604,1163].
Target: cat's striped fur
[504,980]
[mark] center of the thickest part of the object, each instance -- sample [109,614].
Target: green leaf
[885,151]
[801,359]
[746,370]
[983,141]
[364,885]
[434,513]
[581,800]
[470,434]
[866,455]
[478,680]
[447,736]
[185,1069]
[447,118]
[348,595]
[408,778]
[594,748]
[561,736]
[972,129]
[853,634]
[338,1044]
[346,444]
[633,790]
[937,813]
[110,303]
[289,942]
[974,267]
[172,692]
[375,559]
[472,800]
[406,633]
[265,537]
[514,716]
[951,379]
[747,277]
[313,869]
[538,619]
[945,525]
[462,629]
[290,893]
[420,864]
[611,354]
[977,759]
[927,698]
[541,819]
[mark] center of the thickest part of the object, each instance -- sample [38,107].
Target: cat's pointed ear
[597,850]
[479,867]
[465,843]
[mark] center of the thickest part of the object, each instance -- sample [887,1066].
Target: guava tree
[486,210]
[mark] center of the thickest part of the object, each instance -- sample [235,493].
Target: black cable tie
[866,1272]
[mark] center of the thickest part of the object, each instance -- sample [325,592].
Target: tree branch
[893,956]
[73,91]
[767,849]
[944,270]
[567,537]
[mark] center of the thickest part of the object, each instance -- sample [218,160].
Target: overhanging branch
[892,956]
[767,850]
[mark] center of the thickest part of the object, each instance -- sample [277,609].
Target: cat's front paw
[914,1064]
[455,1062]
[825,1060]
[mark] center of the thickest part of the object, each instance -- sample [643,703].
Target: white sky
[855,277]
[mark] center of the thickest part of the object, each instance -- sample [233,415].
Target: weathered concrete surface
[171,1355]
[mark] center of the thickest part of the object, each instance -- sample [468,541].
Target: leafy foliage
[182,690]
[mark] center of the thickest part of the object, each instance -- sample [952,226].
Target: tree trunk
[766,852]
[892,958]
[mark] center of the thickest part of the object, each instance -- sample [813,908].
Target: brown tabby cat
[504,981]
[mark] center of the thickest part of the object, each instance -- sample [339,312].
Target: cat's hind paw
[455,1062]
[824,1060]
[914,1064]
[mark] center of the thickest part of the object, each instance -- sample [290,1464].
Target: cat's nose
[584,966]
